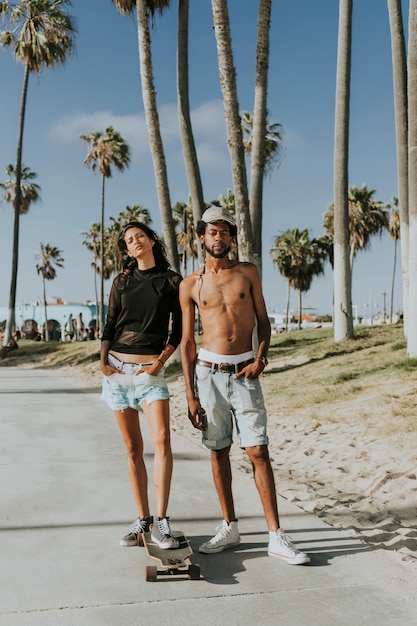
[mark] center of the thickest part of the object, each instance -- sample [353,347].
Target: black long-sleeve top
[141,306]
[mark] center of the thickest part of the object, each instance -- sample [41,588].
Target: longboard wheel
[193,572]
[151,573]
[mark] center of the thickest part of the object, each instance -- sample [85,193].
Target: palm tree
[234,127]
[273,144]
[145,9]
[259,128]
[395,233]
[105,150]
[399,65]
[412,177]
[111,254]
[92,243]
[28,193]
[298,258]
[366,216]
[135,213]
[40,34]
[183,215]
[187,137]
[226,201]
[261,164]
[343,320]
[50,258]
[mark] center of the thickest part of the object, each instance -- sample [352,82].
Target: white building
[30,318]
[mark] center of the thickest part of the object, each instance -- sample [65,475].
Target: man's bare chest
[223,292]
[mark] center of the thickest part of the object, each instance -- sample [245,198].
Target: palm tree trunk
[101,323]
[300,308]
[154,131]
[95,259]
[187,137]
[399,64]
[184,254]
[45,308]
[288,306]
[412,177]
[11,314]
[259,129]
[391,308]
[96,293]
[234,127]
[343,322]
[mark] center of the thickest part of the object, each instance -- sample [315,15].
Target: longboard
[171,562]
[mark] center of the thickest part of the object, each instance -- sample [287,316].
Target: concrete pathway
[65,501]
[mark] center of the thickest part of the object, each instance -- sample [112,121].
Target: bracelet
[161,362]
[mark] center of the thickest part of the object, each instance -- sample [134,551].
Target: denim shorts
[123,391]
[228,401]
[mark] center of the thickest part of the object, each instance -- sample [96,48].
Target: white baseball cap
[217,214]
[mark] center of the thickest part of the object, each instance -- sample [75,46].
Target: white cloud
[212,157]
[207,120]
[131,127]
[168,119]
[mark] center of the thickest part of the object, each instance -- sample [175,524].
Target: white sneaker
[227,537]
[281,548]
[162,534]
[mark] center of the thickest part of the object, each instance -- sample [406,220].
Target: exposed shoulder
[246,265]
[191,278]
[247,268]
[189,281]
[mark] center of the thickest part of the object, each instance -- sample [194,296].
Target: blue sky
[100,86]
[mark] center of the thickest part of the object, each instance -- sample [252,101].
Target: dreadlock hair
[128,264]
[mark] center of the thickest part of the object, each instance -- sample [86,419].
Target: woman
[135,347]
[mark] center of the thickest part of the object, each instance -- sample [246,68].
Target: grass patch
[407,365]
[54,353]
[311,371]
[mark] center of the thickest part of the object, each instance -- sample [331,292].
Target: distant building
[30,318]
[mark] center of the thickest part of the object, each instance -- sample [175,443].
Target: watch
[263,360]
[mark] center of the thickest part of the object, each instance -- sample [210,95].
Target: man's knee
[221,454]
[258,454]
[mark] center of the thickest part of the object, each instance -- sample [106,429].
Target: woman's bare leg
[157,414]
[129,425]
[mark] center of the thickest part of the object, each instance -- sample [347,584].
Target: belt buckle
[225,368]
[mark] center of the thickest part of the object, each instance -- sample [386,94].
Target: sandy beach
[333,462]
[345,475]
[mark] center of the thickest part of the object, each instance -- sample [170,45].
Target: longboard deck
[173,561]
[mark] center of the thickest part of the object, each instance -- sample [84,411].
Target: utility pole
[384,294]
[371,312]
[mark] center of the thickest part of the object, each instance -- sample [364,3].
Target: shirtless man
[222,381]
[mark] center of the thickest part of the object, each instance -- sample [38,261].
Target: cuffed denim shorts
[122,391]
[228,401]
